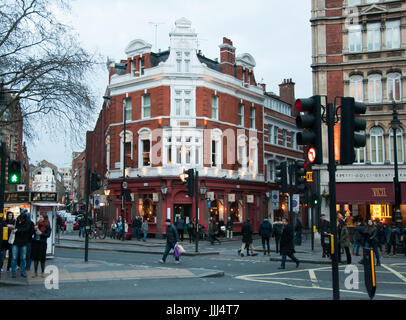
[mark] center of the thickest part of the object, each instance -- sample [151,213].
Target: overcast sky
[276,33]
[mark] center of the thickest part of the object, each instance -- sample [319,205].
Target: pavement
[76,270]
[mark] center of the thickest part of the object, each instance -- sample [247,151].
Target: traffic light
[282,176]
[95,181]
[189,180]
[311,123]
[299,173]
[14,172]
[350,124]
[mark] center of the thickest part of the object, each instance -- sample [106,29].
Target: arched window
[394,84]
[357,88]
[375,88]
[399,145]
[377,145]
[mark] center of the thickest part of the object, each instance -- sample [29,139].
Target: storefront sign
[231,197]
[379,211]
[379,192]
[155,197]
[17,197]
[44,196]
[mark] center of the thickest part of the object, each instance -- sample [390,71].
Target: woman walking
[8,223]
[39,243]
[344,240]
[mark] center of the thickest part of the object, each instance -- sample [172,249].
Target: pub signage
[44,196]
[16,197]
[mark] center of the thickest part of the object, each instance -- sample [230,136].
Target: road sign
[309,176]
[311,155]
[295,202]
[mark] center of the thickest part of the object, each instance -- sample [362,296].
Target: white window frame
[144,134]
[127,110]
[392,34]
[355,38]
[374,42]
[216,138]
[214,107]
[400,145]
[391,79]
[252,117]
[145,106]
[253,156]
[356,88]
[375,88]
[377,139]
[242,152]
[358,152]
[241,114]
[128,138]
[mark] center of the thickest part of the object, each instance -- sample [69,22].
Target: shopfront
[370,201]
[157,199]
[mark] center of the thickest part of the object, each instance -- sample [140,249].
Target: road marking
[313,278]
[398,274]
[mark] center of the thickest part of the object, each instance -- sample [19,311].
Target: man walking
[229,228]
[277,233]
[287,247]
[246,231]
[172,239]
[19,249]
[265,230]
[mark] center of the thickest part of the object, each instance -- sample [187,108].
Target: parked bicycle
[97,232]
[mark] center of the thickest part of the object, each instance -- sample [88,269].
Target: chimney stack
[227,57]
[287,94]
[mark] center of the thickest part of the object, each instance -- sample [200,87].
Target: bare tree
[44,68]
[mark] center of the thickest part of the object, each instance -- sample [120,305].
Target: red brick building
[183,110]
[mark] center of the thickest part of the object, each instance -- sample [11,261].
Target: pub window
[147,208]
[236,211]
[146,149]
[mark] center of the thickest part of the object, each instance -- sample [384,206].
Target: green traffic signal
[14,172]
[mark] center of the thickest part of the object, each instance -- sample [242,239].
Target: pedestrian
[113,230]
[370,241]
[358,237]
[172,238]
[394,239]
[29,235]
[144,228]
[324,229]
[229,228]
[344,240]
[222,228]
[349,222]
[180,224]
[82,226]
[19,249]
[9,223]
[388,233]
[191,230]
[277,233]
[265,230]
[39,243]
[287,246]
[381,235]
[298,233]
[213,231]
[246,231]
[119,228]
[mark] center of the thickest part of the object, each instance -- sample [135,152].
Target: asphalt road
[248,278]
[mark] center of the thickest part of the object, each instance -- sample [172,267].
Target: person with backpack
[265,230]
[172,239]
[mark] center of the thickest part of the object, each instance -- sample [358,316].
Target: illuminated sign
[311,155]
[380,211]
[309,176]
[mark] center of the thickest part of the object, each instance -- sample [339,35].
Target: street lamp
[164,190]
[395,124]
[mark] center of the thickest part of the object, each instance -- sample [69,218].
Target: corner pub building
[183,110]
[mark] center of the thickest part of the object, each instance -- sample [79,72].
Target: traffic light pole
[332,194]
[3,176]
[197,208]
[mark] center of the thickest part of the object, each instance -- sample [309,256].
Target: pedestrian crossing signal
[14,172]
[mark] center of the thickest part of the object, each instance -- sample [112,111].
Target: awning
[379,193]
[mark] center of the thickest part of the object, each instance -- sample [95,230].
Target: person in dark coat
[213,231]
[277,233]
[19,248]
[5,246]
[229,228]
[324,228]
[394,239]
[287,247]
[39,243]
[246,231]
[265,230]
[172,238]
[191,230]
[180,224]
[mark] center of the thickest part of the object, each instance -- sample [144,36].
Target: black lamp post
[395,124]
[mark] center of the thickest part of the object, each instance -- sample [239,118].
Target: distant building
[46,178]
[359,51]
[78,181]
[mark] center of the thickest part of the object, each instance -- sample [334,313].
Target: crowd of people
[353,235]
[25,242]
